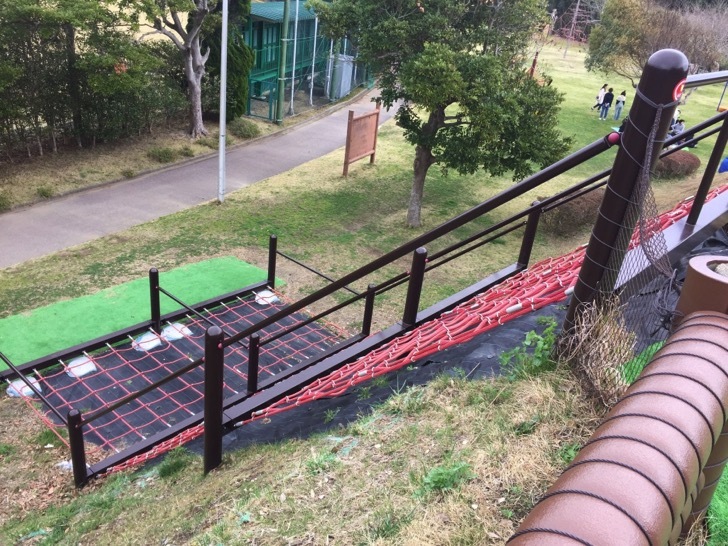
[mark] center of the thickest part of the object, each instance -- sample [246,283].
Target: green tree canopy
[457,72]
[240,60]
[186,23]
[66,68]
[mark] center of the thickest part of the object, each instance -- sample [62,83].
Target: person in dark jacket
[606,104]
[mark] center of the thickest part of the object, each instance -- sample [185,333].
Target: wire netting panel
[131,366]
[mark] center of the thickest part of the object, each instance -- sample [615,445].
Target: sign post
[361,137]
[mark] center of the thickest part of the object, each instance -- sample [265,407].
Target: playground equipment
[652,465]
[233,397]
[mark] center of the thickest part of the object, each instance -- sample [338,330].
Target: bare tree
[631,30]
[182,22]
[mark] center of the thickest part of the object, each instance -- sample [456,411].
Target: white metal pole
[293,68]
[223,104]
[328,69]
[313,62]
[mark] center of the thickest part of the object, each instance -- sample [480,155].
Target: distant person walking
[606,104]
[619,104]
[600,97]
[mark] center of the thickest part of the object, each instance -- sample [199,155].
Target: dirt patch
[30,479]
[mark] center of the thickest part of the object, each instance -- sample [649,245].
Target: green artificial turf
[48,329]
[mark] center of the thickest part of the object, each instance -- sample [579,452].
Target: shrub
[162,154]
[445,478]
[533,355]
[187,151]
[44,192]
[570,217]
[128,173]
[243,128]
[208,141]
[677,165]
[5,201]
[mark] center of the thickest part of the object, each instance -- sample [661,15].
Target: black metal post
[253,360]
[272,251]
[616,220]
[78,451]
[214,361]
[709,174]
[366,327]
[414,289]
[154,300]
[529,236]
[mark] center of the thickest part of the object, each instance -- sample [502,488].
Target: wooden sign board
[361,137]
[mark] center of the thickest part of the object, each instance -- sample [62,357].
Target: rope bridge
[548,282]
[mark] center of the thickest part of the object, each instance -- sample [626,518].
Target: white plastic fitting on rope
[514,308]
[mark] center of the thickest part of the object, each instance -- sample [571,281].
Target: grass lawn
[456,461]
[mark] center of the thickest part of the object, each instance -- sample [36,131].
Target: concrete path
[68,221]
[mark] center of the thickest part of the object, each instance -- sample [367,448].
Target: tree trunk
[74,85]
[54,139]
[194,71]
[423,159]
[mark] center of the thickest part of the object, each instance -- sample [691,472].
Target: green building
[313,64]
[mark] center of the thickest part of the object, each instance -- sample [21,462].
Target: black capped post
[414,290]
[156,308]
[652,110]
[272,256]
[214,361]
[253,362]
[78,450]
[366,323]
[529,235]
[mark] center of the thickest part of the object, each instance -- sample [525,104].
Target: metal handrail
[707,78]
[526,185]
[32,387]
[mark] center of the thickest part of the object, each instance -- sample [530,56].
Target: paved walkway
[68,221]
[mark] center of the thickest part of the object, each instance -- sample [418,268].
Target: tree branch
[169,34]
[456,124]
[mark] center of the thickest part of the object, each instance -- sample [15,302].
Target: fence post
[529,235]
[652,109]
[154,300]
[272,255]
[414,290]
[253,361]
[78,451]
[366,327]
[214,360]
[709,174]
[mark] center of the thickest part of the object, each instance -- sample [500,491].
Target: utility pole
[283,51]
[293,64]
[223,105]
